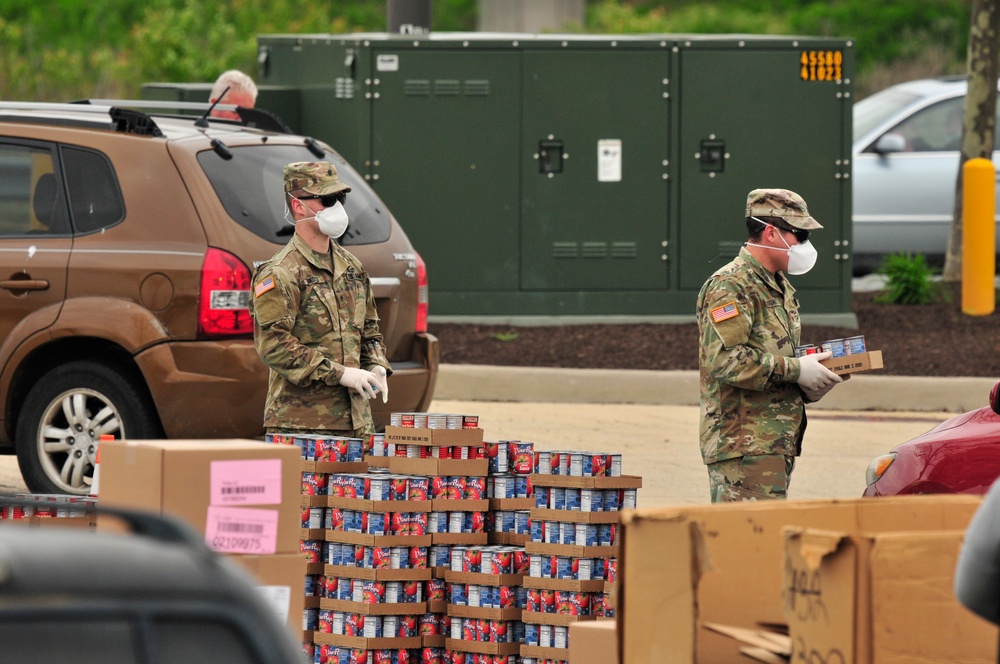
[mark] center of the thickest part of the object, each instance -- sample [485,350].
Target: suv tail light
[224,299]
[423,299]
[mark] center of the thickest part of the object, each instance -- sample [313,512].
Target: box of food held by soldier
[847,355]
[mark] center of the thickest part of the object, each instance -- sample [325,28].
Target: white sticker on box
[245,482]
[240,530]
[279,598]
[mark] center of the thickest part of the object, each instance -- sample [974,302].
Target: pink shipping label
[239,530]
[252,482]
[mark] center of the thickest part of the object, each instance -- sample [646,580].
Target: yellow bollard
[978,237]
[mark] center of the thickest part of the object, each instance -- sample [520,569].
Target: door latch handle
[24,284]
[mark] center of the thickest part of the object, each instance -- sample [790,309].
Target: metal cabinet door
[594,147]
[748,120]
[444,149]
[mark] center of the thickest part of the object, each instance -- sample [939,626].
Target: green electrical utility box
[583,176]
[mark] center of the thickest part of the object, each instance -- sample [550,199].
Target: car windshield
[872,111]
[250,188]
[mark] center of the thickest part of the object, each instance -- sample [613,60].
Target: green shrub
[909,280]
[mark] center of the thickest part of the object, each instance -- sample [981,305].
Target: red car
[960,455]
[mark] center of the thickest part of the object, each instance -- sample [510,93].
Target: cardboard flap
[814,545]
[774,643]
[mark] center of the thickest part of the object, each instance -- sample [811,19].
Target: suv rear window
[94,197]
[250,186]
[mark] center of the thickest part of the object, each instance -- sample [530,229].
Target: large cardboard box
[281,580]
[686,566]
[881,598]
[593,642]
[242,495]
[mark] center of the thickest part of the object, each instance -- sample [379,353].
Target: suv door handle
[24,284]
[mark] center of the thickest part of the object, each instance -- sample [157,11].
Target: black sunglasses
[329,200]
[800,235]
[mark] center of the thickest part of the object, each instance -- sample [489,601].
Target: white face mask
[332,220]
[801,258]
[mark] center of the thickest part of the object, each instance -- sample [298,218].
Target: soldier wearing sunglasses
[315,322]
[753,388]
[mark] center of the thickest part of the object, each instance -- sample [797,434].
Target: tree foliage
[53,50]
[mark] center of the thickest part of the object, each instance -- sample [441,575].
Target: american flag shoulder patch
[724,312]
[263,287]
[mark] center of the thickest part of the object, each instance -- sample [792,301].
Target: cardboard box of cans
[847,355]
[242,495]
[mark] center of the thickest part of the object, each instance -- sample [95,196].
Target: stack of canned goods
[317,447]
[584,500]
[512,457]
[489,559]
[575,534]
[578,464]
[487,597]
[43,505]
[433,421]
[836,347]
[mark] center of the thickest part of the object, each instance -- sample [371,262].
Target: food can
[543,495]
[543,463]
[439,555]
[496,454]
[835,347]
[856,345]
[531,635]
[475,488]
[805,349]
[576,465]
[557,498]
[522,456]
[311,549]
[417,488]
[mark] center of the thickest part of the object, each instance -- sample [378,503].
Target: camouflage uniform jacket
[749,324]
[312,319]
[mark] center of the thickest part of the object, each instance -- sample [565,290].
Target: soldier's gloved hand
[360,381]
[383,381]
[814,376]
[816,395]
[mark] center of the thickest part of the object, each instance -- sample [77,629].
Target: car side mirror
[891,142]
[995,397]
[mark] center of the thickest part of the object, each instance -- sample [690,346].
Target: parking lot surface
[660,443]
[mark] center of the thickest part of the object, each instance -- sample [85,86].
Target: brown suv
[127,241]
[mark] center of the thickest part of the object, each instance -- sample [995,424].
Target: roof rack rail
[257,118]
[122,119]
[126,115]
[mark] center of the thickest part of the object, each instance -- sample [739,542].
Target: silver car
[906,158]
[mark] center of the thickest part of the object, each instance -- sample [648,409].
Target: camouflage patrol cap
[318,178]
[781,203]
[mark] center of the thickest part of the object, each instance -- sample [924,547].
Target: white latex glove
[383,381]
[814,377]
[816,395]
[360,381]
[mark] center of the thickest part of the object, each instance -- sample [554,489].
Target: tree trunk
[980,108]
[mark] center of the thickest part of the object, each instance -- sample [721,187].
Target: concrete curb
[462,382]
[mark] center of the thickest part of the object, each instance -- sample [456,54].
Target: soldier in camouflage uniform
[315,323]
[753,389]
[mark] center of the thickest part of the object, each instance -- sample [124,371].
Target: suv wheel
[63,418]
